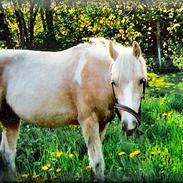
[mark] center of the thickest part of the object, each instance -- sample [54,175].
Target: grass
[157,155]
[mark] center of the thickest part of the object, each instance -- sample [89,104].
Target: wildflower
[94,29]
[121,153]
[164,114]
[71,155]
[35,175]
[25,175]
[134,153]
[88,168]
[111,17]
[101,21]
[169,114]
[58,170]
[59,153]
[45,167]
[71,11]
[162,101]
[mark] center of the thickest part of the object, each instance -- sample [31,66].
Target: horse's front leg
[102,131]
[90,128]
[8,151]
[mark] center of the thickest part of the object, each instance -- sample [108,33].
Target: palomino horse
[53,89]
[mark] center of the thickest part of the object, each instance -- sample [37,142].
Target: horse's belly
[47,118]
[56,120]
[43,110]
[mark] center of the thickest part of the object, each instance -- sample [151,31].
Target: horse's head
[128,76]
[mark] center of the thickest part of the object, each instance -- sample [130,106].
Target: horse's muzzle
[127,131]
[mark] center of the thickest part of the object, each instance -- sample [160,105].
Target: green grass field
[157,155]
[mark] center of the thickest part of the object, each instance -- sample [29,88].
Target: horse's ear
[113,53]
[136,49]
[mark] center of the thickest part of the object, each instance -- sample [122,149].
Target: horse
[77,86]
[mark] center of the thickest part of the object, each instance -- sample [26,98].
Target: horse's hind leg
[90,128]
[10,128]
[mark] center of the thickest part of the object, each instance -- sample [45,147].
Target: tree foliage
[57,25]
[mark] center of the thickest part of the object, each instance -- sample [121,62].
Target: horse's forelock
[128,65]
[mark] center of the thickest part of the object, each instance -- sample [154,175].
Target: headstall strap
[112,83]
[116,101]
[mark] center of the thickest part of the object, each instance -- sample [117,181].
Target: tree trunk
[26,31]
[43,19]
[51,40]
[32,22]
[21,24]
[5,33]
[158,43]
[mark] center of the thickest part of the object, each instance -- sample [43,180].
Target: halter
[119,106]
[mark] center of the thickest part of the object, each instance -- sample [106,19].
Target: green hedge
[74,24]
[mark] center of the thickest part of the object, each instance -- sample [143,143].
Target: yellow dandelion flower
[111,17]
[169,114]
[121,153]
[88,168]
[71,155]
[58,170]
[45,167]
[35,175]
[25,175]
[71,11]
[95,28]
[164,114]
[101,21]
[134,153]
[59,153]
[162,101]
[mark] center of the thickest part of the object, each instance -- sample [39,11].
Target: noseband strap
[129,110]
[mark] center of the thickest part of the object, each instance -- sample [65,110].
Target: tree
[48,25]
[5,33]
[26,29]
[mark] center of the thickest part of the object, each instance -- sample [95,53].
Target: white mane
[127,66]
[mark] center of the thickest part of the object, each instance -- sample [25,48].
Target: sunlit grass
[157,155]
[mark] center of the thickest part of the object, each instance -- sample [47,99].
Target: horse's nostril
[129,132]
[124,126]
[134,123]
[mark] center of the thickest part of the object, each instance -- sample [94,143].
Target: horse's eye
[142,81]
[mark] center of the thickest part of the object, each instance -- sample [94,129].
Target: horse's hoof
[7,174]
